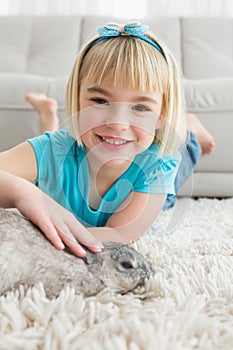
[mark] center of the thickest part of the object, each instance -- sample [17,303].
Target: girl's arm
[132,219]
[18,169]
[20,161]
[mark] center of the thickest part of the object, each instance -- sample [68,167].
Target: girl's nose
[118,118]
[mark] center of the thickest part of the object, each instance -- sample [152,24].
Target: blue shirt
[63,173]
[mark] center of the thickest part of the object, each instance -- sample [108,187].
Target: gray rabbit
[27,257]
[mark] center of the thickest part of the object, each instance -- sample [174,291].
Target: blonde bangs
[136,64]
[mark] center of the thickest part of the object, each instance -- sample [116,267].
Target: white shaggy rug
[187,305]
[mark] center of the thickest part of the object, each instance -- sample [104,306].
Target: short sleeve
[158,174]
[39,144]
[51,149]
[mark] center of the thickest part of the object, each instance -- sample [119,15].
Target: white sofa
[37,53]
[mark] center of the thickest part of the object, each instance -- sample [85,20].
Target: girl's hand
[58,224]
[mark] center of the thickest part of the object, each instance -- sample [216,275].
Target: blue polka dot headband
[134,29]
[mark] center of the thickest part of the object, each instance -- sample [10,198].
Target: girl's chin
[113,162]
[118,162]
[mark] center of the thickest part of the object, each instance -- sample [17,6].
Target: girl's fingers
[71,242]
[59,225]
[85,238]
[51,233]
[57,236]
[82,235]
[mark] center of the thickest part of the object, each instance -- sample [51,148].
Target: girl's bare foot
[205,139]
[46,108]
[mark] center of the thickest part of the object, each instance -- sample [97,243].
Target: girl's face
[116,123]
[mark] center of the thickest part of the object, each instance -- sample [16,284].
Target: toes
[208,148]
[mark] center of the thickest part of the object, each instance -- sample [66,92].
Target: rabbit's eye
[127,265]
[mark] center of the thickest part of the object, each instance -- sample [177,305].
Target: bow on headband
[135,29]
[115,29]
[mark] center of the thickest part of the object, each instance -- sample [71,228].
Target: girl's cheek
[146,125]
[90,118]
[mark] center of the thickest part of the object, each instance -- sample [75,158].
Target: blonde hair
[139,66]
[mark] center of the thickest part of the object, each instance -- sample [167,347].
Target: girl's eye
[99,101]
[141,108]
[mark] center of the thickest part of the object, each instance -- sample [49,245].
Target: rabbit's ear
[91,258]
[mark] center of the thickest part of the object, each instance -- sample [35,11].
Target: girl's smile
[113,141]
[116,123]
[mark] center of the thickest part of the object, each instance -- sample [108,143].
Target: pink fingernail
[98,249]
[61,245]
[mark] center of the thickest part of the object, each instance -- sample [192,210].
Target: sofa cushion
[209,95]
[207,47]
[18,120]
[15,86]
[45,46]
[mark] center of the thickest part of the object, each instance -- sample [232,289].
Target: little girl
[107,176]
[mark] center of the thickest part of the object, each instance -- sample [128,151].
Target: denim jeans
[190,156]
